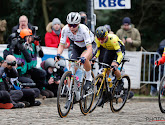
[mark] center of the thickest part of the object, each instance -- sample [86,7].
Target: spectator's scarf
[57,31]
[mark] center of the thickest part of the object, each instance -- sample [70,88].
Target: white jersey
[83,36]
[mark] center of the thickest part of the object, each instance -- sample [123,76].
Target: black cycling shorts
[110,56]
[77,51]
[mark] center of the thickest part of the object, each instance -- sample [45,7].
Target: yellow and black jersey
[113,43]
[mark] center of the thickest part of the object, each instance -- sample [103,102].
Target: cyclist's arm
[62,40]
[88,53]
[118,50]
[60,48]
[119,56]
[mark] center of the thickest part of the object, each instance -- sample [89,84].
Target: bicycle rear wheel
[87,97]
[120,96]
[161,96]
[64,95]
[98,91]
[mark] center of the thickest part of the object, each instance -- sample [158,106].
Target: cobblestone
[134,113]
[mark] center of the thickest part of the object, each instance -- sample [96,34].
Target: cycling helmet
[25,32]
[49,63]
[73,18]
[101,32]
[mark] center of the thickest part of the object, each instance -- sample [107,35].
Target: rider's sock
[88,75]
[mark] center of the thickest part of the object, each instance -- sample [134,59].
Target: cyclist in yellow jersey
[114,54]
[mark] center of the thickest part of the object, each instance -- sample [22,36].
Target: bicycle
[117,97]
[161,95]
[68,92]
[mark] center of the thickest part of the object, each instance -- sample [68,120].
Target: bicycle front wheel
[161,96]
[98,87]
[120,94]
[64,95]
[87,97]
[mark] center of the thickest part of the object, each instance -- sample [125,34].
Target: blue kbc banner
[112,4]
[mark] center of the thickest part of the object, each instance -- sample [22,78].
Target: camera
[38,38]
[13,63]
[20,64]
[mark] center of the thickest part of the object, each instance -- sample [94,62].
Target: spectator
[5,99]
[34,49]
[53,35]
[13,95]
[160,50]
[23,24]
[54,73]
[129,35]
[9,73]
[84,19]
[24,57]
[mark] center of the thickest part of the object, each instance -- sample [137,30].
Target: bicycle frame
[103,81]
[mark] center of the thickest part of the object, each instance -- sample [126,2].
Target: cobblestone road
[134,113]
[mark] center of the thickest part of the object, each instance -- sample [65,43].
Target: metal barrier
[148,72]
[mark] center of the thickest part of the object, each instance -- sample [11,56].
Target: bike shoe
[87,85]
[67,104]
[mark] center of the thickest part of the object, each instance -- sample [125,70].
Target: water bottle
[109,82]
[77,92]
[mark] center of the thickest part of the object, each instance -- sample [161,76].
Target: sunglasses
[101,38]
[73,25]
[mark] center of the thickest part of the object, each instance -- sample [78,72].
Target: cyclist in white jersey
[84,45]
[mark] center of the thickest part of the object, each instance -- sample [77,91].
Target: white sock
[88,75]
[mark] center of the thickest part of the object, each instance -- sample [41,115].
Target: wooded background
[148,16]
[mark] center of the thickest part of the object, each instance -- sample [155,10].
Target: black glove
[20,46]
[93,60]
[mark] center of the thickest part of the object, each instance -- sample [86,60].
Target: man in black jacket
[23,24]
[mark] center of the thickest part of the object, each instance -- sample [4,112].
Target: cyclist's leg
[87,67]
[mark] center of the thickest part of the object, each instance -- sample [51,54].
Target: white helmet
[73,18]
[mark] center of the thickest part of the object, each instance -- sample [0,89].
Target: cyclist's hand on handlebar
[57,58]
[82,60]
[114,65]
[93,60]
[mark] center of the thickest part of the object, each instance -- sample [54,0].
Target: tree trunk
[45,12]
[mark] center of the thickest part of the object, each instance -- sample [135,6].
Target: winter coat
[132,33]
[51,38]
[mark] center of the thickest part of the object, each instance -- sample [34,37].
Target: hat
[126,20]
[108,27]
[56,21]
[1,59]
